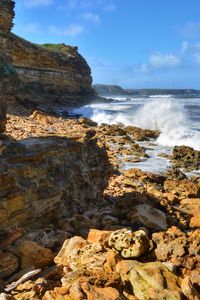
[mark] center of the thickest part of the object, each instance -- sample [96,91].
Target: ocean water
[177,119]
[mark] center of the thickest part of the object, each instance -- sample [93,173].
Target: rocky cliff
[46,76]
[53,174]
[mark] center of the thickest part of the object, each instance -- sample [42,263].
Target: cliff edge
[56,75]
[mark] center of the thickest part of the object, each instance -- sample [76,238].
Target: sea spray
[168,115]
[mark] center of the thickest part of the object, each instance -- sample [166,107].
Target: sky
[132,43]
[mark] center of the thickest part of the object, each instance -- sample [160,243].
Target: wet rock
[175,173]
[141,134]
[186,157]
[148,217]
[129,243]
[35,254]
[8,264]
[150,280]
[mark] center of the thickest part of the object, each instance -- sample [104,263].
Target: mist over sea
[177,119]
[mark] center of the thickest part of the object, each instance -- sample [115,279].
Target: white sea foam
[168,117]
[164,114]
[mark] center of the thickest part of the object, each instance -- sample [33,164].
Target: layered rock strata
[58,76]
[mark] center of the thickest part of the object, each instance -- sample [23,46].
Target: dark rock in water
[175,173]
[186,157]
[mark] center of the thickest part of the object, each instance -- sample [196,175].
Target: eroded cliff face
[59,77]
[43,179]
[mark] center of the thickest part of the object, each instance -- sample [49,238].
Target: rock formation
[60,76]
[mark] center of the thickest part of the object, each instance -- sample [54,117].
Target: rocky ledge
[73,226]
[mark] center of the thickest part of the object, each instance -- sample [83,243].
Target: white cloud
[71,30]
[88,16]
[191,29]
[33,3]
[159,60]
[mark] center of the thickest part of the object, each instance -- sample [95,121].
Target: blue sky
[133,43]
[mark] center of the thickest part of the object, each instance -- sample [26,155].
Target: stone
[98,236]
[130,244]
[189,289]
[75,243]
[186,157]
[141,134]
[148,217]
[178,247]
[36,254]
[183,188]
[8,264]
[150,280]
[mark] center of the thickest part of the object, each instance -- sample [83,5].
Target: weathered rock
[148,217]
[7,81]
[41,179]
[6,15]
[186,157]
[8,264]
[183,188]
[36,255]
[189,289]
[98,236]
[141,134]
[48,74]
[130,244]
[150,280]
[182,249]
[68,246]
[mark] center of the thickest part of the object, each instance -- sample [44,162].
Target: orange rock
[36,255]
[98,236]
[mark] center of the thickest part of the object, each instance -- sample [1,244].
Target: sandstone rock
[98,236]
[150,280]
[148,217]
[36,255]
[92,257]
[183,188]
[189,289]
[8,264]
[186,157]
[130,244]
[75,243]
[141,134]
[6,15]
[178,247]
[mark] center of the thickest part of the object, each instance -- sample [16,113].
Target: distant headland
[116,90]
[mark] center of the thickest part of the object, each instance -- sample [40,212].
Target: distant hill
[109,90]
[116,90]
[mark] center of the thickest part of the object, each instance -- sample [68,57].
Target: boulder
[150,280]
[35,254]
[129,243]
[186,157]
[179,248]
[148,217]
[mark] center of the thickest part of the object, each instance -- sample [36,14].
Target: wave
[164,114]
[160,96]
[170,118]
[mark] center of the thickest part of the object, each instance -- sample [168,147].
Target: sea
[178,120]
